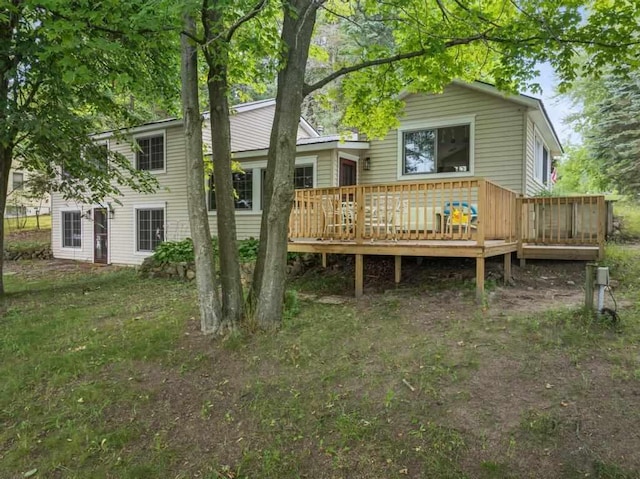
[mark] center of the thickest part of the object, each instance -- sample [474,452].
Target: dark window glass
[243,187]
[150,154]
[71,229]
[150,228]
[436,150]
[302,179]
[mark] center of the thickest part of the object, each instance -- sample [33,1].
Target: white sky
[558,108]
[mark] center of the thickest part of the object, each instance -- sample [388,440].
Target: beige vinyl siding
[251,130]
[248,222]
[532,185]
[85,252]
[498,136]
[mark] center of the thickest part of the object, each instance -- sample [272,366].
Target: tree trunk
[6,154]
[217,57]
[210,320]
[270,275]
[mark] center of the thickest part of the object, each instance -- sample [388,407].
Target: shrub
[248,249]
[174,251]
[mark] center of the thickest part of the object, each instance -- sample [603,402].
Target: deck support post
[359,275]
[479,278]
[507,268]
[523,262]
[324,260]
[398,268]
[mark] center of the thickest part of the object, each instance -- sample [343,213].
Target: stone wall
[34,252]
[185,271]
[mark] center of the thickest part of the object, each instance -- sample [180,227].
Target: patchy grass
[629,212]
[106,375]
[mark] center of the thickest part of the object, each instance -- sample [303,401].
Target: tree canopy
[69,69]
[609,123]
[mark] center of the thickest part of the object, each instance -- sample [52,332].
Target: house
[20,201]
[470,146]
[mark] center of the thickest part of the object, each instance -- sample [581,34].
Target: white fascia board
[330,145]
[137,130]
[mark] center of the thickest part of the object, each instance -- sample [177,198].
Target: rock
[179,270]
[572,283]
[191,274]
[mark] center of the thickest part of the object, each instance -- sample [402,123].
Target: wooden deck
[470,218]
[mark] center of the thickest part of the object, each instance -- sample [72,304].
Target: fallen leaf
[30,473]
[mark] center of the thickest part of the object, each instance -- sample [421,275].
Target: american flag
[554,175]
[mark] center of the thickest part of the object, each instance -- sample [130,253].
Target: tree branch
[244,19]
[384,61]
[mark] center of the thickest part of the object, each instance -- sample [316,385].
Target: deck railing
[562,220]
[470,209]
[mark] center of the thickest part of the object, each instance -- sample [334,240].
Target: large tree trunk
[6,154]
[270,277]
[210,320]
[232,296]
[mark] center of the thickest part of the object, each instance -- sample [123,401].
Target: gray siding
[498,138]
[532,185]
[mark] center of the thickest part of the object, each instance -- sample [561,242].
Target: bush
[174,251]
[248,249]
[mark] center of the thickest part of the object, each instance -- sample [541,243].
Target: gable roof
[250,125]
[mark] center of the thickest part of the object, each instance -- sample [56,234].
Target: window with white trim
[71,229]
[302,179]
[150,153]
[17,181]
[445,149]
[149,228]
[243,187]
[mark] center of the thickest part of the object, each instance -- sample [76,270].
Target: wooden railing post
[359,233]
[519,220]
[602,218]
[482,211]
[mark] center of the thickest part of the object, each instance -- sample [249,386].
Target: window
[101,158]
[243,186]
[436,150]
[150,154]
[302,179]
[18,181]
[71,229]
[541,161]
[149,228]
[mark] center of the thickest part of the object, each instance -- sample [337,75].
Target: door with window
[348,172]
[100,235]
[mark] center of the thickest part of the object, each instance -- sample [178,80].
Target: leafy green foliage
[180,251]
[248,249]
[174,251]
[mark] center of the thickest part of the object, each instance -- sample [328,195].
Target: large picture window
[243,186]
[150,154]
[436,150]
[71,229]
[149,228]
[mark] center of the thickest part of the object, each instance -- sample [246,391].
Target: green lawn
[12,225]
[105,375]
